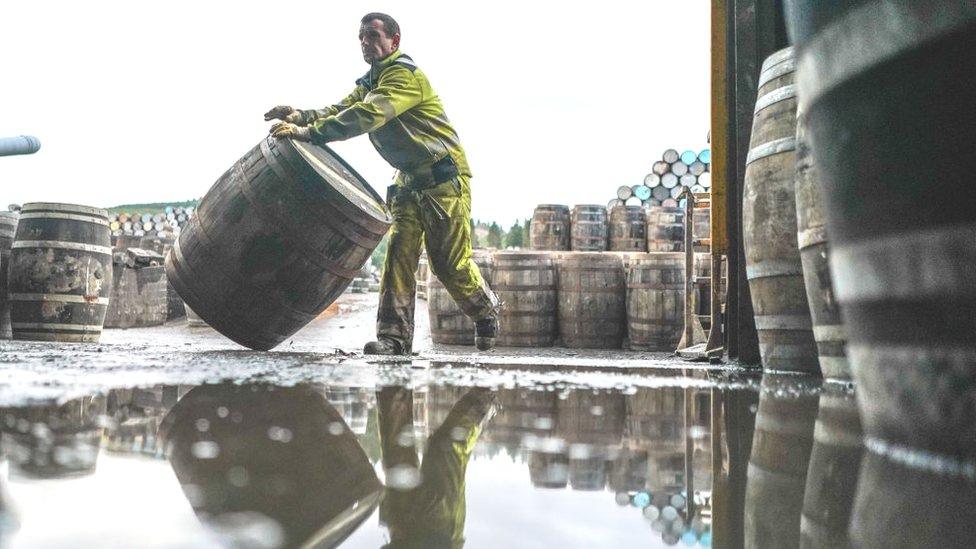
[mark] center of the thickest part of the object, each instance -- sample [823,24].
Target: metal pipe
[24,144]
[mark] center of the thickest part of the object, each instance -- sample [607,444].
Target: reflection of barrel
[778,465]
[828,327]
[769,220]
[548,469]
[832,476]
[902,261]
[592,312]
[549,229]
[8,227]
[448,323]
[60,276]
[628,229]
[54,440]
[275,241]
[655,301]
[526,283]
[590,228]
[665,229]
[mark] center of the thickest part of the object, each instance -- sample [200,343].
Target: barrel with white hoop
[773,265]
[8,227]
[60,273]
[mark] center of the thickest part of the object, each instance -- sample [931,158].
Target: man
[431,200]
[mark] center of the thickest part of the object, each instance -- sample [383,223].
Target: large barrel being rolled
[890,82]
[665,229]
[526,283]
[60,274]
[549,229]
[592,293]
[275,241]
[628,229]
[769,225]
[655,300]
[448,323]
[589,228]
[8,228]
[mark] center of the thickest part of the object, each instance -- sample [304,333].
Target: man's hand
[285,113]
[287,129]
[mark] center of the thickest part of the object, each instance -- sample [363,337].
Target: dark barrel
[448,323]
[592,295]
[655,300]
[526,284]
[777,472]
[589,228]
[769,226]
[665,229]
[828,326]
[832,476]
[891,82]
[275,241]
[628,229]
[60,274]
[8,228]
[549,228]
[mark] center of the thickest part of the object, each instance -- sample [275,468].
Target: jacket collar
[369,79]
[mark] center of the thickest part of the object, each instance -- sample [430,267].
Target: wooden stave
[628,229]
[665,229]
[513,287]
[643,333]
[576,313]
[595,219]
[550,228]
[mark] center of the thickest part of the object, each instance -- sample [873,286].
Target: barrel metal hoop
[783,322]
[775,96]
[829,332]
[812,236]
[921,459]
[54,326]
[872,33]
[777,70]
[783,267]
[777,58]
[61,298]
[933,263]
[67,208]
[773,147]
[76,246]
[72,217]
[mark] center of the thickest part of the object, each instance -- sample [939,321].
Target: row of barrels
[576,299]
[669,178]
[167,223]
[590,227]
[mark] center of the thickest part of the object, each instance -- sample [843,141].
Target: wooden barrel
[138,297]
[769,219]
[828,326]
[448,323]
[702,227]
[589,228]
[655,301]
[628,229]
[275,241]
[8,228]
[60,274]
[777,471]
[592,296]
[525,282]
[549,229]
[887,81]
[423,273]
[832,476]
[665,229]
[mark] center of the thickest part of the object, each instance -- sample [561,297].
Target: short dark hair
[390,26]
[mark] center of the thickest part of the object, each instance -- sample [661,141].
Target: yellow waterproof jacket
[405,119]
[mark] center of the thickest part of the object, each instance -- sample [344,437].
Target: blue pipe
[24,144]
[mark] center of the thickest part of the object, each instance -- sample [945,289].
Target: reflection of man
[430,514]
[431,201]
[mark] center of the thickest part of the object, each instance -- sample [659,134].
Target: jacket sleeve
[397,92]
[311,115]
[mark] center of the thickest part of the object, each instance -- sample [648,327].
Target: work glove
[285,113]
[287,129]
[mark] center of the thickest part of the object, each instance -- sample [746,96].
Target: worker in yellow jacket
[431,199]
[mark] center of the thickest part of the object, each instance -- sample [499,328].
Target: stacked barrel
[669,177]
[167,223]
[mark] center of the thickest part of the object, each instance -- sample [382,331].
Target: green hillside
[150,208]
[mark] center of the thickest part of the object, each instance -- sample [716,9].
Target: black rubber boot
[485,332]
[383,346]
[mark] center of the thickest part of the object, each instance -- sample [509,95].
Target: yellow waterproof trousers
[440,218]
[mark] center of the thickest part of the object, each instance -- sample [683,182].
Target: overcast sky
[152,101]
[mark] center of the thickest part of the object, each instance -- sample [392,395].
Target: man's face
[375,43]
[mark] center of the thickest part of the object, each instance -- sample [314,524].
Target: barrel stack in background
[275,241]
[526,283]
[589,228]
[592,311]
[8,228]
[60,274]
[550,228]
[448,323]
[655,301]
[890,82]
[628,229]
[773,263]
